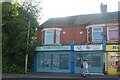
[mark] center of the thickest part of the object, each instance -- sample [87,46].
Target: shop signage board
[87,47]
[52,48]
[112,47]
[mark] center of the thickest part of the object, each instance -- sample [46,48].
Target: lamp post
[26,56]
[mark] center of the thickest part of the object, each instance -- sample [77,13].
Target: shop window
[89,59]
[112,33]
[97,33]
[40,61]
[64,61]
[55,61]
[96,60]
[47,61]
[78,60]
[114,60]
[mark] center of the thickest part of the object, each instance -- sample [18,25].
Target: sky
[62,8]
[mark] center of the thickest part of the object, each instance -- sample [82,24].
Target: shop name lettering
[90,47]
[116,47]
[57,47]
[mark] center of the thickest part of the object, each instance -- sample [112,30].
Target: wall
[71,33]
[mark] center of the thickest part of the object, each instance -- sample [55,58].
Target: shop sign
[87,47]
[52,48]
[113,48]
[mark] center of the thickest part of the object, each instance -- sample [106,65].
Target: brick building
[55,53]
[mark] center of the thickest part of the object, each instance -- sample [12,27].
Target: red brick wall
[71,33]
[39,36]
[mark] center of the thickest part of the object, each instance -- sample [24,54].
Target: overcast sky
[61,8]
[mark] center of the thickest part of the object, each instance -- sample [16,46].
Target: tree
[34,8]
[15,30]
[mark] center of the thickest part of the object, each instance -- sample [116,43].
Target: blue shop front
[52,59]
[94,56]
[66,59]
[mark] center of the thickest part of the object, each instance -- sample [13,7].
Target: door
[113,63]
[78,63]
[94,59]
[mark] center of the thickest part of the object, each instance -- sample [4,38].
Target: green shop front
[52,59]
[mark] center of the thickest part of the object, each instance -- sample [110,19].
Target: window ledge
[96,41]
[112,41]
[51,44]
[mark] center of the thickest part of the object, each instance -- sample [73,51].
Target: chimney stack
[103,9]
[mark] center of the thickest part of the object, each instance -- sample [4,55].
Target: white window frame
[108,32]
[96,31]
[56,36]
[88,32]
[48,34]
[51,29]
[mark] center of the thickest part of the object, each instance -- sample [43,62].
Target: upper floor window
[97,33]
[51,35]
[112,32]
[57,37]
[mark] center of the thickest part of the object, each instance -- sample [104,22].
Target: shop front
[94,56]
[52,59]
[68,59]
[113,59]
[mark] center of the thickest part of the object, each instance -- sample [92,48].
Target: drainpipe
[104,51]
[72,58]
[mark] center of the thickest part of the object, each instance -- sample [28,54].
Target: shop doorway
[113,63]
[94,59]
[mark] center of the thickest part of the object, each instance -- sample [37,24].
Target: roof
[70,20]
[108,17]
[80,19]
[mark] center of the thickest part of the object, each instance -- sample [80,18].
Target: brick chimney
[103,9]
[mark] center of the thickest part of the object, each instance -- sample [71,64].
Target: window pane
[64,61]
[78,60]
[113,34]
[49,37]
[113,27]
[57,37]
[88,57]
[47,61]
[40,61]
[96,29]
[96,60]
[97,36]
[55,64]
[49,32]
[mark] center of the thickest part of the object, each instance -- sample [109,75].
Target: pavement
[57,76]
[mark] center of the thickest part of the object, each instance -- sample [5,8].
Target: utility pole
[26,57]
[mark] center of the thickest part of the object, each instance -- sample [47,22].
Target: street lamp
[26,57]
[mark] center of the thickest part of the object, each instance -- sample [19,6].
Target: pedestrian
[85,68]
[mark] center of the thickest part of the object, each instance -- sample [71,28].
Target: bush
[13,68]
